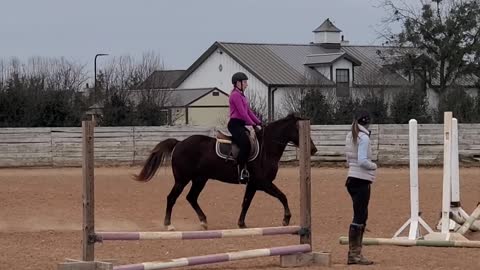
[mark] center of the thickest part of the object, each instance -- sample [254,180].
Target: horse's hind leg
[197,186]
[274,191]
[171,199]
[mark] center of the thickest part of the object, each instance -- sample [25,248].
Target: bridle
[262,144]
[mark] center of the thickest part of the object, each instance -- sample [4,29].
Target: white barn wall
[208,74]
[327,37]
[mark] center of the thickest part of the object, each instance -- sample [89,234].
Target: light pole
[95,107]
[95,78]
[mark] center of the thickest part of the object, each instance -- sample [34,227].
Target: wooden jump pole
[406,242]
[194,235]
[217,258]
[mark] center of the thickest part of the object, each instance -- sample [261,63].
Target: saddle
[228,150]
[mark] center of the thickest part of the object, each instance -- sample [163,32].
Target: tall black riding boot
[355,236]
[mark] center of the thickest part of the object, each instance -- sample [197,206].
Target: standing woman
[361,174]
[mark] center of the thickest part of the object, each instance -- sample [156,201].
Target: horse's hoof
[170,228]
[286,221]
[204,225]
[242,226]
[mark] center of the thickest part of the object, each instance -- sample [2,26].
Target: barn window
[215,94]
[343,82]
[165,117]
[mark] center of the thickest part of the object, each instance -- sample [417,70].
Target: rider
[240,116]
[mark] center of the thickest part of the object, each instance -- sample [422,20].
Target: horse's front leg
[273,190]
[247,199]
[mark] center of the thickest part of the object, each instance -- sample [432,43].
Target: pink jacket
[240,109]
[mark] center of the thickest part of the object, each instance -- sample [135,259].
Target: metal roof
[286,65]
[175,97]
[161,79]
[329,58]
[185,97]
[327,26]
[278,64]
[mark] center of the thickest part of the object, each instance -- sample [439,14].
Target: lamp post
[95,78]
[95,82]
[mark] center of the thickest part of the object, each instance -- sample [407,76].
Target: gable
[213,98]
[216,70]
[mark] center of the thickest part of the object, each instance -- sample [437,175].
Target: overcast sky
[178,30]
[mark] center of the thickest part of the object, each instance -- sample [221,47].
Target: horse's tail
[159,154]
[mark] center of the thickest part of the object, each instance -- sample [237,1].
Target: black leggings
[239,137]
[359,190]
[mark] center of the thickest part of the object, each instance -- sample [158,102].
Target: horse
[196,159]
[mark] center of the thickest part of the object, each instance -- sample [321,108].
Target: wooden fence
[58,147]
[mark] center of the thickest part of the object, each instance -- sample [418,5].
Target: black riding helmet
[238,77]
[363,117]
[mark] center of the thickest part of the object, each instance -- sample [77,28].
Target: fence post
[305,182]
[88,251]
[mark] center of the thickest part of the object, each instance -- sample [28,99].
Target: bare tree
[258,105]
[293,97]
[3,73]
[126,73]
[54,73]
[144,84]
[292,102]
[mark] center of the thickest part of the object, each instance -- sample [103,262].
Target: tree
[317,107]
[150,114]
[460,103]
[258,104]
[41,92]
[345,109]
[117,111]
[292,102]
[122,88]
[408,105]
[377,106]
[438,42]
[476,112]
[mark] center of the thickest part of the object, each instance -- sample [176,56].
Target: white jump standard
[415,221]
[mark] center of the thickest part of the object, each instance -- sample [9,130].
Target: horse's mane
[289,117]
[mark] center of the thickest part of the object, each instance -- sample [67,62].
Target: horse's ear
[293,115]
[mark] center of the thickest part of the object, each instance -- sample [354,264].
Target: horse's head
[288,129]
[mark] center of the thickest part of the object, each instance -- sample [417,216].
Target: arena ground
[41,215]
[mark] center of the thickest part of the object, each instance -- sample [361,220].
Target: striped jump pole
[217,258]
[406,242]
[192,235]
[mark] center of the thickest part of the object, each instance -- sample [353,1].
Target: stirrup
[244,176]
